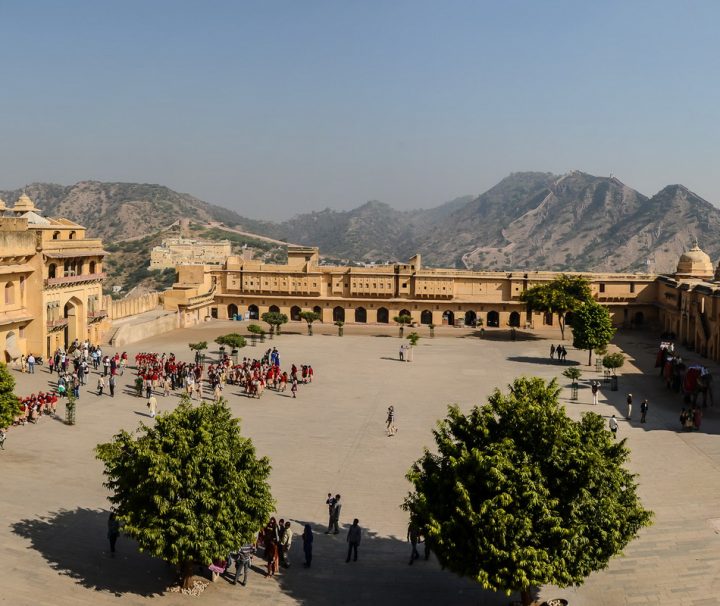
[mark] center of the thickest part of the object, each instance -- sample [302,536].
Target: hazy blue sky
[276,107]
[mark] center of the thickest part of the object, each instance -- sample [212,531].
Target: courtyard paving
[53,509]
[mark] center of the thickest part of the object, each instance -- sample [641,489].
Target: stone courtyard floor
[53,509]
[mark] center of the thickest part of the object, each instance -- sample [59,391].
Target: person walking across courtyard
[111,385]
[413,536]
[390,428]
[629,407]
[307,539]
[113,531]
[100,385]
[335,516]
[613,424]
[152,406]
[595,388]
[643,410]
[353,539]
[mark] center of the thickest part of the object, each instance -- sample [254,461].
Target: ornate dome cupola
[24,204]
[695,263]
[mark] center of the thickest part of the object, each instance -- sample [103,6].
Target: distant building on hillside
[186,251]
[51,280]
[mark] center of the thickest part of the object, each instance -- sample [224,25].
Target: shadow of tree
[501,334]
[74,543]
[542,360]
[380,576]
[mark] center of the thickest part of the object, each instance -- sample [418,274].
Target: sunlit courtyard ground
[53,509]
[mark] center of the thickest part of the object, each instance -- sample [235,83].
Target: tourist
[552,351]
[113,531]
[307,539]
[413,536]
[335,516]
[353,538]
[613,426]
[152,405]
[330,502]
[390,428]
[595,388]
[643,410]
[629,406]
[286,543]
[167,385]
[402,353]
[294,387]
[111,385]
[100,385]
[31,364]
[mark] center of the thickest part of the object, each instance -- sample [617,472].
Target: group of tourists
[693,382]
[34,406]
[253,376]
[558,351]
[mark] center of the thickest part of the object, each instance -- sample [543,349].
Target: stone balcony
[66,280]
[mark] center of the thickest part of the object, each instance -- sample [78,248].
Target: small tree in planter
[275,319]
[234,341]
[402,320]
[255,331]
[310,317]
[70,408]
[413,337]
[599,354]
[432,330]
[198,348]
[573,374]
[612,362]
[340,325]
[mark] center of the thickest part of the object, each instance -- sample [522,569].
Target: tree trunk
[402,328]
[590,357]
[526,597]
[186,573]
[561,321]
[310,330]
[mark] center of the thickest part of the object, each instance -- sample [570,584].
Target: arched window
[295,313]
[232,311]
[56,235]
[448,318]
[318,310]
[361,315]
[493,319]
[274,309]
[426,317]
[92,267]
[470,318]
[72,235]
[383,315]
[254,312]
[515,319]
[338,314]
[9,293]
[52,269]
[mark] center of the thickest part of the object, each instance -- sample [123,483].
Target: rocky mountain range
[529,220]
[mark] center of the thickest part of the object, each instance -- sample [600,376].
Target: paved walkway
[332,439]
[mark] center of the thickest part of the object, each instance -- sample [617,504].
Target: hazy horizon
[277,108]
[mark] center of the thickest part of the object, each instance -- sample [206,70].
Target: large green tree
[310,317]
[233,340]
[518,495]
[559,296]
[592,327]
[9,402]
[189,489]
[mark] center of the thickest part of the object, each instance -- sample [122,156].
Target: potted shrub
[573,374]
[310,317]
[340,325]
[402,320]
[612,362]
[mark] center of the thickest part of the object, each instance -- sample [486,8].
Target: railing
[74,279]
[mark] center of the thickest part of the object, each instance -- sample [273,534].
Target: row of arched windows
[70,268]
[71,236]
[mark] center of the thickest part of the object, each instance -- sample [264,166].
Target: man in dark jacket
[353,538]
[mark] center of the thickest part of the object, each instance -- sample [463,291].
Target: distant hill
[530,220]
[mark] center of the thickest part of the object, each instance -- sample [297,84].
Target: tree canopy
[519,495]
[190,489]
[233,340]
[592,327]
[310,317]
[559,296]
[275,319]
[613,361]
[199,346]
[9,402]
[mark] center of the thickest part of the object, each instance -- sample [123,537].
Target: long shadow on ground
[74,543]
[380,576]
[541,360]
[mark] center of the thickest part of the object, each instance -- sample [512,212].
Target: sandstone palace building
[686,303]
[50,281]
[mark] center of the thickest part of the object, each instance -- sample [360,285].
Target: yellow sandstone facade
[375,295]
[51,279]
[186,251]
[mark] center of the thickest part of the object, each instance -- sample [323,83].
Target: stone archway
[493,319]
[360,315]
[232,310]
[448,318]
[426,317]
[274,309]
[515,319]
[73,313]
[383,315]
[470,318]
[318,310]
[338,314]
[295,313]
[254,312]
